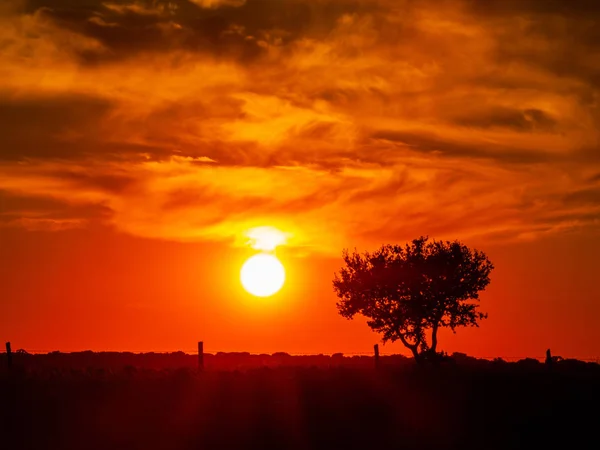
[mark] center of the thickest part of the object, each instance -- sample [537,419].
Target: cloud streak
[340,122]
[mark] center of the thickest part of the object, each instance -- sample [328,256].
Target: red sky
[140,140]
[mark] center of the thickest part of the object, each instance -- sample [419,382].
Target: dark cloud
[195,198]
[589,196]
[242,33]
[115,184]
[535,7]
[63,126]
[430,143]
[16,208]
[42,126]
[520,120]
[558,36]
[580,218]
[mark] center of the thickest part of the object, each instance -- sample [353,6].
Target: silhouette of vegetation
[404,291]
[99,401]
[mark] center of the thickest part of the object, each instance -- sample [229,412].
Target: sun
[262,275]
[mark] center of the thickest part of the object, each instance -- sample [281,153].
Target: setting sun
[262,275]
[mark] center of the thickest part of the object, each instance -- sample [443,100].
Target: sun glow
[265,238]
[262,275]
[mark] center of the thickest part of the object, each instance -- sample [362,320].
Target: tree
[404,291]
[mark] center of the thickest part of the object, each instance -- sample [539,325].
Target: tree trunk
[434,337]
[418,357]
[413,348]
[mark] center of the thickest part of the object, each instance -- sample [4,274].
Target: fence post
[548,358]
[376,349]
[200,355]
[8,356]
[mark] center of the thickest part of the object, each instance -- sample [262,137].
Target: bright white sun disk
[262,275]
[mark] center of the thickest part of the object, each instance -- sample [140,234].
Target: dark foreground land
[95,401]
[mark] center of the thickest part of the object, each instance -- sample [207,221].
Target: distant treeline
[240,361]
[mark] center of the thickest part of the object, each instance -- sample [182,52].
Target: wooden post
[376,349]
[548,358]
[8,356]
[200,355]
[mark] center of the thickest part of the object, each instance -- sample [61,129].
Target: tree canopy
[407,290]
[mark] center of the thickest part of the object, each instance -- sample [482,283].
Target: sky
[141,140]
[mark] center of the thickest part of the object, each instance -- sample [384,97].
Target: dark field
[124,401]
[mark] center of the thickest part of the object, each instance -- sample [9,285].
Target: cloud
[341,123]
[218,3]
[41,224]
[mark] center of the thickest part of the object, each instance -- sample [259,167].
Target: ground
[345,404]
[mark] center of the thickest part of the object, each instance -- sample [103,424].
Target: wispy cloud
[341,122]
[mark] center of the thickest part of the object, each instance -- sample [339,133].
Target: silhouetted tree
[405,290]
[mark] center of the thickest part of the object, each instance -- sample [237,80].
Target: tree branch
[413,348]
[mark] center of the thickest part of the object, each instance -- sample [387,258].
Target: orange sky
[140,140]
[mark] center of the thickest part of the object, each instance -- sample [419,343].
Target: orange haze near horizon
[142,140]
